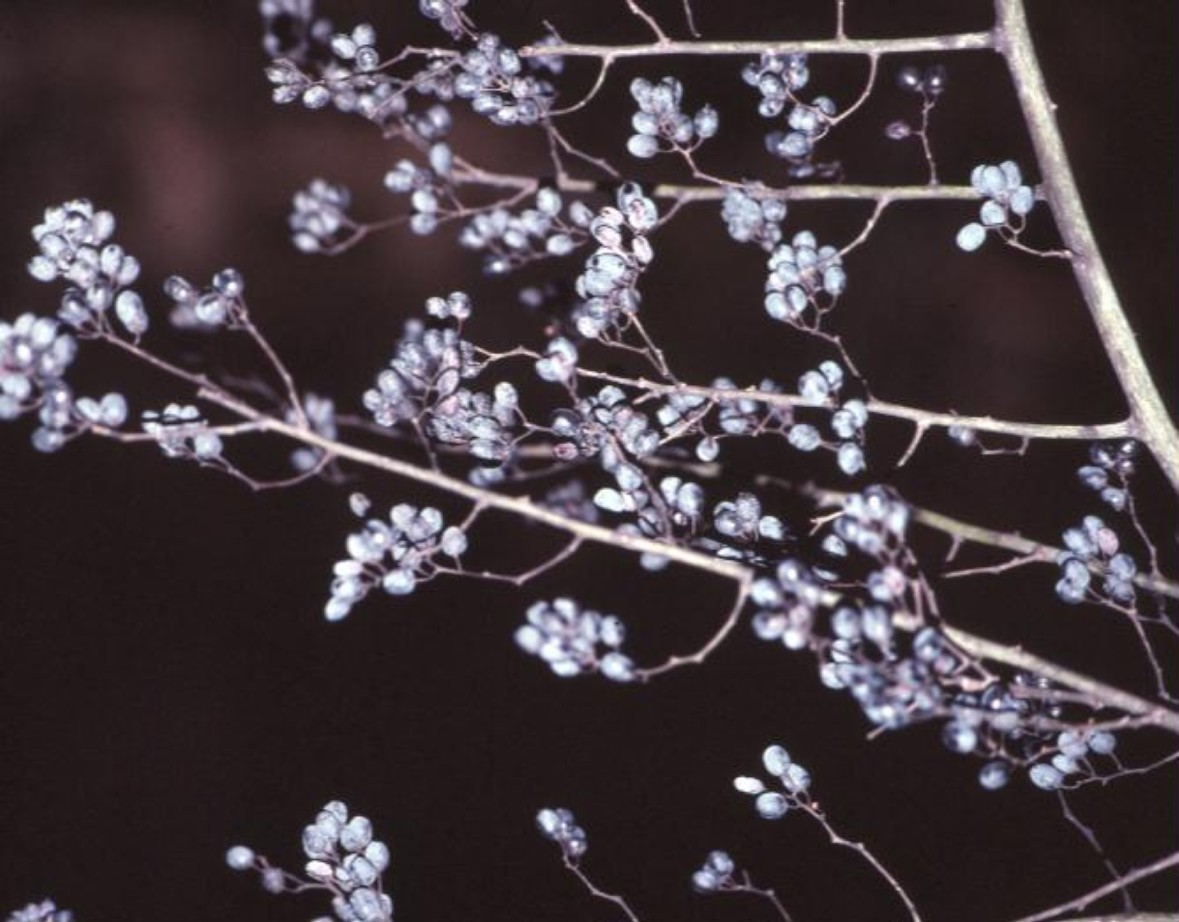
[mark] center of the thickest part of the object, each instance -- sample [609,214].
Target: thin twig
[859,847]
[601,894]
[1093,895]
[963,41]
[1032,551]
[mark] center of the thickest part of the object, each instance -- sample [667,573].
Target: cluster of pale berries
[575,640]
[1094,545]
[342,857]
[560,826]
[794,780]
[661,125]
[1007,202]
[396,554]
[44,911]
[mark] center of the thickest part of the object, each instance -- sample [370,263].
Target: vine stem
[1026,549]
[1148,415]
[923,419]
[1018,658]
[522,506]
[962,41]
[514,505]
[686,193]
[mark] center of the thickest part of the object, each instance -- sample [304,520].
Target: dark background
[169,686]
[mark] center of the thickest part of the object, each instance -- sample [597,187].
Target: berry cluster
[348,79]
[753,216]
[291,28]
[715,874]
[1008,202]
[608,283]
[482,423]
[603,425]
[559,362]
[45,911]
[1074,749]
[1109,471]
[660,123]
[491,76]
[34,357]
[397,555]
[821,387]
[448,13]
[423,185]
[865,645]
[427,366]
[219,304]
[73,246]
[794,779]
[777,78]
[928,83]
[1094,545]
[182,432]
[560,826]
[342,858]
[319,215]
[512,239]
[803,276]
[357,47]
[742,526]
[575,640]
[808,124]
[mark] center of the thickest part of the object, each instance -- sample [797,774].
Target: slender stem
[865,853]
[1126,917]
[524,507]
[279,367]
[601,894]
[1150,420]
[962,41]
[1102,695]
[1090,837]
[714,192]
[991,537]
[923,418]
[1018,658]
[767,894]
[515,505]
[1093,895]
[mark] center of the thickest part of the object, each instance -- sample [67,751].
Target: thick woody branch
[1149,418]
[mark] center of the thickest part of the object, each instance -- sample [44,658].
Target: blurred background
[169,685]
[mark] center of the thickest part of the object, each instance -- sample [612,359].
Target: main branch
[1148,415]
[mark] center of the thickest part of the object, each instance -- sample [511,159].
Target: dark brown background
[169,686]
